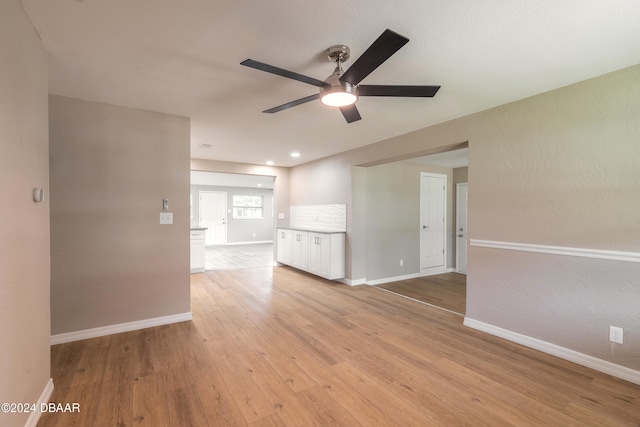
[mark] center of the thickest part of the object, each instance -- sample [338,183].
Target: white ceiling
[182,57]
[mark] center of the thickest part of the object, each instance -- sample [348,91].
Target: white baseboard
[118,328]
[251,242]
[353,282]
[618,371]
[392,279]
[433,271]
[44,398]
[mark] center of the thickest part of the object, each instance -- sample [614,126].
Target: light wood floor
[238,257]
[275,347]
[448,291]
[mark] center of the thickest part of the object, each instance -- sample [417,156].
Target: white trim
[459,185]
[251,242]
[353,282]
[118,328]
[392,279]
[610,368]
[44,398]
[559,250]
[432,271]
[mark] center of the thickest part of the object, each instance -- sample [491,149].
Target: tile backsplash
[319,217]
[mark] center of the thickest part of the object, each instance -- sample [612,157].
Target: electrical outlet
[616,334]
[166,218]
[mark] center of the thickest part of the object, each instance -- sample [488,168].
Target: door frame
[443,269]
[466,231]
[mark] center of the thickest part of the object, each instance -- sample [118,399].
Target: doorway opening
[441,278]
[238,213]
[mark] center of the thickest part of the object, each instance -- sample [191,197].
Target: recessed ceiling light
[270,162]
[295,154]
[259,185]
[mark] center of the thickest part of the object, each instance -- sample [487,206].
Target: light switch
[166,217]
[280,215]
[165,204]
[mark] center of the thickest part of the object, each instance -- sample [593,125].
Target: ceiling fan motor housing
[335,86]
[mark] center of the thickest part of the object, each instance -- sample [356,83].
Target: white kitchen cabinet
[198,250]
[284,246]
[326,255]
[319,253]
[300,249]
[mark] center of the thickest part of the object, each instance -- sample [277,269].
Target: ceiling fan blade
[386,45]
[293,103]
[350,113]
[389,90]
[282,72]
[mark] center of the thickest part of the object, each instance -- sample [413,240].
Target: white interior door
[462,191]
[432,223]
[213,215]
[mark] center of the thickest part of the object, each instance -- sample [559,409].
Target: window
[247,207]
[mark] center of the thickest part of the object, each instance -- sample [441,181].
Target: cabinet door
[284,246]
[198,255]
[300,250]
[320,254]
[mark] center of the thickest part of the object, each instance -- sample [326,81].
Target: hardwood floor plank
[374,403]
[324,410]
[185,408]
[149,400]
[275,388]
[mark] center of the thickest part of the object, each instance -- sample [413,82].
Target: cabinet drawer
[197,234]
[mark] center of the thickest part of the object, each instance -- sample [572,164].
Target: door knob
[460,235]
[425,226]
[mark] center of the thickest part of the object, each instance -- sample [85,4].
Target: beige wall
[560,168]
[112,262]
[24,229]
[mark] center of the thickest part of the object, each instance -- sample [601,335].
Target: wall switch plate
[281,215]
[616,334]
[165,204]
[166,217]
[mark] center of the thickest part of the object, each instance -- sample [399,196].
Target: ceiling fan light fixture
[338,99]
[339,95]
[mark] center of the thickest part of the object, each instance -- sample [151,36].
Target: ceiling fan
[342,88]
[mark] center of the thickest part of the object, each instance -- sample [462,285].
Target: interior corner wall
[110,168]
[24,229]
